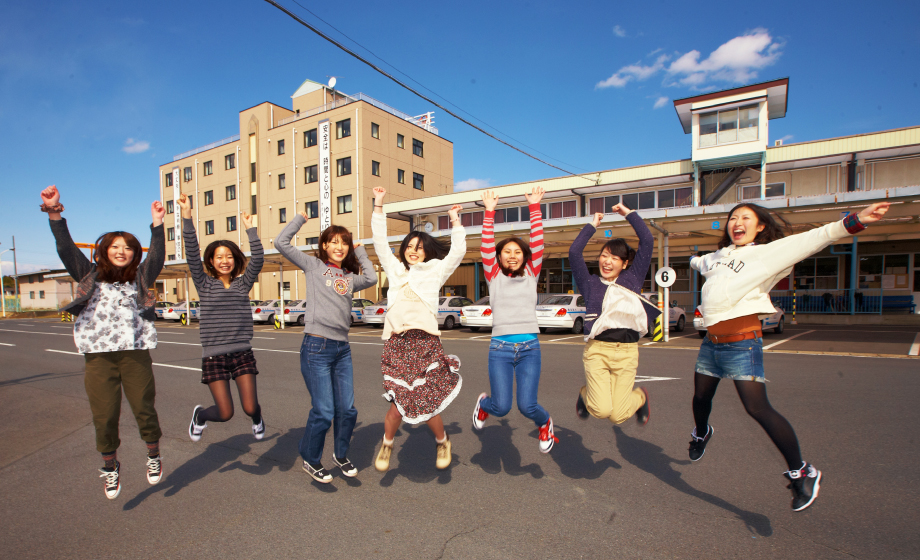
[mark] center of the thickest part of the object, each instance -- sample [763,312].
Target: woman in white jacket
[418,378]
[753,256]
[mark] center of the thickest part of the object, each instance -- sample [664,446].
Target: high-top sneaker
[698,444]
[154,469]
[112,483]
[804,483]
[479,415]
[546,437]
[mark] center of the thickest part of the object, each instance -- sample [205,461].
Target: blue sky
[94,96]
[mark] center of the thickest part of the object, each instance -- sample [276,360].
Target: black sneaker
[318,473]
[698,444]
[348,469]
[112,482]
[643,413]
[154,469]
[804,483]
[258,430]
[580,409]
[194,428]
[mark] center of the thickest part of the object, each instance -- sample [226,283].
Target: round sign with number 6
[665,277]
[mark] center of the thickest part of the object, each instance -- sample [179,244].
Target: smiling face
[511,257]
[223,261]
[336,250]
[415,251]
[119,253]
[743,226]
[610,265]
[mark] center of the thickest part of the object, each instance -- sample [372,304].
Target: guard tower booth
[730,133]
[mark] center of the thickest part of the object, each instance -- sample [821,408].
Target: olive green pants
[107,375]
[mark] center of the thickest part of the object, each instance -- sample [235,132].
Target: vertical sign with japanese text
[325,177]
[176,214]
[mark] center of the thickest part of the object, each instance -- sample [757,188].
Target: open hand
[621,209]
[490,200]
[873,212]
[157,212]
[454,212]
[536,195]
[247,220]
[51,196]
[596,222]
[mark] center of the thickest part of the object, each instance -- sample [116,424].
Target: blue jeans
[508,360]
[326,368]
[738,361]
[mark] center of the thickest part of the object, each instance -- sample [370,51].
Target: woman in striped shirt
[225,321]
[514,352]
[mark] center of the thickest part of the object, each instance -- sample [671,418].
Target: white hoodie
[739,279]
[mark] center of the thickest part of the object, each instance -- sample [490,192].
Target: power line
[426,98]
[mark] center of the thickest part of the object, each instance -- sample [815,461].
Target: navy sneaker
[698,444]
[804,483]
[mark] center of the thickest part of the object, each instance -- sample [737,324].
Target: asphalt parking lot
[623,491]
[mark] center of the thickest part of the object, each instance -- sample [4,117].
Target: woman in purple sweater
[617,317]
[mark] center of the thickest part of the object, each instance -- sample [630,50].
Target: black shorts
[228,366]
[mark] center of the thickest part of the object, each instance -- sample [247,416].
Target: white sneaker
[154,469]
[479,415]
[112,482]
[319,474]
[194,430]
[546,437]
[258,430]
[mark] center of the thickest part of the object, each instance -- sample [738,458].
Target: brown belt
[726,338]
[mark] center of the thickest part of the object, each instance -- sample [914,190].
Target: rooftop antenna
[332,86]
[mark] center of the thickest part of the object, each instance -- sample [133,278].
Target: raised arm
[487,245]
[536,230]
[192,251]
[74,260]
[256,253]
[156,252]
[283,244]
[367,278]
[577,257]
[638,269]
[457,245]
[388,261]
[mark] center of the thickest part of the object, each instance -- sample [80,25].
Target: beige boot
[383,457]
[443,460]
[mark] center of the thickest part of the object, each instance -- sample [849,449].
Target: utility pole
[16,275]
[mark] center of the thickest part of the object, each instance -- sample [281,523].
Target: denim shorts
[739,361]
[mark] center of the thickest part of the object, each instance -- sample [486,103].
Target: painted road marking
[177,367]
[63,352]
[787,339]
[5,344]
[37,332]
[915,347]
[264,337]
[566,338]
[649,378]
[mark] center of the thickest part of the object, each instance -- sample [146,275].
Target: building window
[171,258]
[311,241]
[567,209]
[400,176]
[208,198]
[375,130]
[209,227]
[752,192]
[400,141]
[231,192]
[282,215]
[170,208]
[603,204]
[417,148]
[187,172]
[469,219]
[231,223]
[41,294]
[817,273]
[375,168]
[443,222]
[281,147]
[343,129]
[344,204]
[312,209]
[310,174]
[230,161]
[31,295]
[418,181]
[253,207]
[168,179]
[309,138]
[343,167]
[252,172]
[639,201]
[732,125]
[280,181]
[675,198]
[887,272]
[170,234]
[208,168]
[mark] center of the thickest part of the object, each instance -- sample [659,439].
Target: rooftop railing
[423,121]
[207,147]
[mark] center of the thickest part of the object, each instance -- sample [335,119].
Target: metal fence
[864,301]
[12,304]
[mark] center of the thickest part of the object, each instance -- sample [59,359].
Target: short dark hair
[239,260]
[350,263]
[108,272]
[772,230]
[525,249]
[434,249]
[619,248]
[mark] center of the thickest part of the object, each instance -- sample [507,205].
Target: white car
[375,314]
[562,311]
[677,317]
[295,311]
[266,310]
[161,308]
[357,309]
[477,316]
[449,311]
[777,322]
[177,311]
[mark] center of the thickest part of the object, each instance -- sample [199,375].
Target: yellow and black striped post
[658,333]
[793,307]
[277,323]
[66,317]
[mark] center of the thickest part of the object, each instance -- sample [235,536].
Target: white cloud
[133,146]
[632,72]
[472,184]
[661,102]
[786,138]
[619,31]
[654,52]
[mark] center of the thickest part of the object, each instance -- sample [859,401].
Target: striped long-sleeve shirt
[487,248]
[226,315]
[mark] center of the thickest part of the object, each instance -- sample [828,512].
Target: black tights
[223,400]
[754,398]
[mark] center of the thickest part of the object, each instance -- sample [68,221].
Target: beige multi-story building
[273,170]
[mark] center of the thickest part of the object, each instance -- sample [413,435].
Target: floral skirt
[417,376]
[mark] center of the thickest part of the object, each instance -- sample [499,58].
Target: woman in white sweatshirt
[753,256]
[418,378]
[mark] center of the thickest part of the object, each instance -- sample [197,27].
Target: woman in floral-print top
[114,331]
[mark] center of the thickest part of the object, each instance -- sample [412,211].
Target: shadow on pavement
[416,455]
[651,459]
[498,450]
[39,377]
[573,458]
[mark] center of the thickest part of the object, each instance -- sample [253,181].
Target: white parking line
[177,367]
[787,339]
[5,344]
[915,347]
[649,378]
[63,352]
[264,337]
[36,332]
[566,338]
[480,336]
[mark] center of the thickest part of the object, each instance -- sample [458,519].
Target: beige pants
[610,370]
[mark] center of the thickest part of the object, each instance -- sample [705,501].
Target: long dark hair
[434,249]
[239,260]
[772,230]
[619,248]
[350,263]
[525,249]
[108,272]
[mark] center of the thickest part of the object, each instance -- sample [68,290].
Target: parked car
[161,308]
[477,316]
[777,322]
[295,311]
[449,310]
[177,311]
[677,317]
[357,309]
[562,311]
[374,314]
[266,310]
